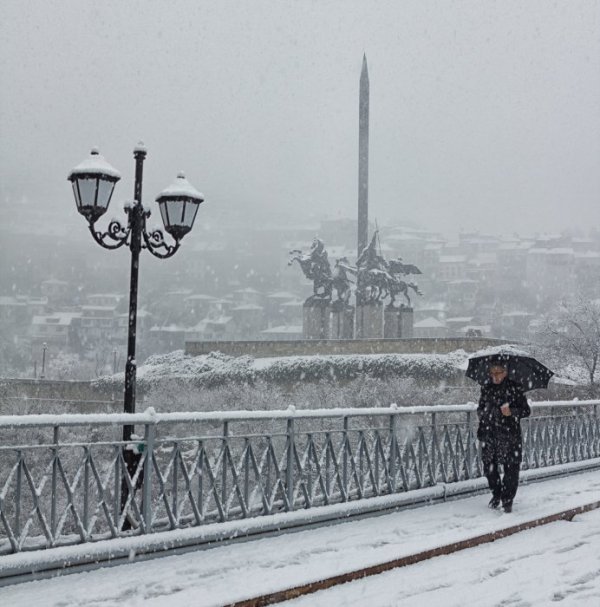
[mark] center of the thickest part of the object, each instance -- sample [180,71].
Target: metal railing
[64,480]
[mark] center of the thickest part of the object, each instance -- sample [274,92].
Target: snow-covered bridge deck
[557,562]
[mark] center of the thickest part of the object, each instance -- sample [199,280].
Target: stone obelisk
[369,315]
[363,159]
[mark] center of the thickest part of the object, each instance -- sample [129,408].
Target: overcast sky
[484,114]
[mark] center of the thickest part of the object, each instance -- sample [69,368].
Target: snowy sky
[483,114]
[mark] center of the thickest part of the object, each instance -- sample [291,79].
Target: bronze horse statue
[376,278]
[315,266]
[397,285]
[400,287]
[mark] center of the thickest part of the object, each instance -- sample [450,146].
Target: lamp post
[93,183]
[44,348]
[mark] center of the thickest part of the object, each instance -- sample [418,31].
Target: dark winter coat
[500,435]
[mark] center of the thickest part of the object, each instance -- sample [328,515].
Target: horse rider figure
[373,278]
[315,267]
[397,285]
[341,282]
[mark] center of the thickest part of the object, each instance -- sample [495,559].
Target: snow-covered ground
[557,562]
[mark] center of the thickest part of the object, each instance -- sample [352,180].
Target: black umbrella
[523,369]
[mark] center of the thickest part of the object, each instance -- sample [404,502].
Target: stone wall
[306,347]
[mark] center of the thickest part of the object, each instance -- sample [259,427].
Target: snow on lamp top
[178,206]
[95,164]
[181,188]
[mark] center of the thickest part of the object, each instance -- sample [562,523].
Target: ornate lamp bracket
[155,243]
[115,232]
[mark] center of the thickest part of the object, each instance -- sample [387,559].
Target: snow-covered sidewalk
[555,564]
[233,572]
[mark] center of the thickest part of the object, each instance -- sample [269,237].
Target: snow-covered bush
[219,382]
[217,369]
[213,382]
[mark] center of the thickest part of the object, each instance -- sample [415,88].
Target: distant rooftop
[248,307]
[453,258]
[429,323]
[281,295]
[284,329]
[200,297]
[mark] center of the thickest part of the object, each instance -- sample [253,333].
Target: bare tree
[573,329]
[103,360]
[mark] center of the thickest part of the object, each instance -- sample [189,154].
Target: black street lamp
[93,183]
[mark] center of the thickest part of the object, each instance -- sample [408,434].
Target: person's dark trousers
[504,488]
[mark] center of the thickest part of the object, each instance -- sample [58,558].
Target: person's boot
[507,507]
[494,502]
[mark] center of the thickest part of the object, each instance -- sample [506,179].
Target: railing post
[117,488]
[247,473]
[149,436]
[309,465]
[375,459]
[224,471]
[587,430]
[571,429]
[596,433]
[547,440]
[86,489]
[174,483]
[327,466]
[393,450]
[526,432]
[469,445]
[289,473]
[54,481]
[268,475]
[18,494]
[577,436]
[433,448]
[345,458]
[360,459]
[201,478]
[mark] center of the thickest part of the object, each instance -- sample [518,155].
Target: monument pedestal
[407,322]
[316,322]
[342,321]
[369,320]
[391,323]
[398,322]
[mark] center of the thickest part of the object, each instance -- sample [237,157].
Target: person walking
[501,407]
